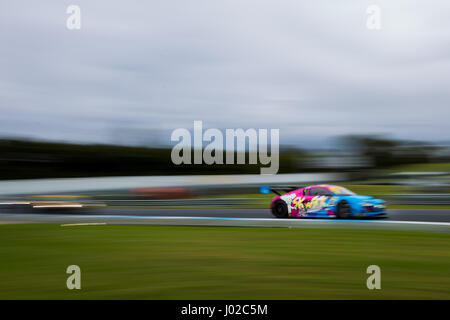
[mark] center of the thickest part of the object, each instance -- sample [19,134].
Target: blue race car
[323,201]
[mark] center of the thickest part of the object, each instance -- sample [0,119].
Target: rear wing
[278,189]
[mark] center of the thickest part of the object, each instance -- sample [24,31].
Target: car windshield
[342,191]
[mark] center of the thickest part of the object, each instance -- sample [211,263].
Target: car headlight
[366,204]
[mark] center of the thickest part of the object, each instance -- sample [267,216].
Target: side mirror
[264,189]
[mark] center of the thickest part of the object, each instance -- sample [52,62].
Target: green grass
[156,262]
[368,190]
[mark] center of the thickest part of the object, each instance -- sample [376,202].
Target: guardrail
[110,184]
[215,202]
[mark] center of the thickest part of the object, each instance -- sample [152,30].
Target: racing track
[397,215]
[414,220]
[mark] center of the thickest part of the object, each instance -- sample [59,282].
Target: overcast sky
[310,68]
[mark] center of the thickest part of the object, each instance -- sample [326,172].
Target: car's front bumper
[370,214]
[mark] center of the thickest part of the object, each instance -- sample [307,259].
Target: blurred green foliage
[21,159]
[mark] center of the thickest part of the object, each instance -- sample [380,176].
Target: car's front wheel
[280,209]
[343,210]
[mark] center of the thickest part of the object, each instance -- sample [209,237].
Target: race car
[323,201]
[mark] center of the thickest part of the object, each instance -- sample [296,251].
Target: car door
[317,198]
[304,199]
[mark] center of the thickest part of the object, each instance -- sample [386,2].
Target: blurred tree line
[23,159]
[20,159]
[385,152]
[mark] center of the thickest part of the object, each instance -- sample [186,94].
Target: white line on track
[83,224]
[276,222]
[264,219]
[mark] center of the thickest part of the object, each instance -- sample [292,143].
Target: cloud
[313,70]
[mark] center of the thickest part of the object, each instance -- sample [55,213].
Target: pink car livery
[323,201]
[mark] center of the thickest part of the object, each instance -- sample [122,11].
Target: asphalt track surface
[394,214]
[412,220]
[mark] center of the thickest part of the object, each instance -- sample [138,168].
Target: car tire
[280,209]
[343,210]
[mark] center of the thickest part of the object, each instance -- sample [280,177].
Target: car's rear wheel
[343,210]
[280,209]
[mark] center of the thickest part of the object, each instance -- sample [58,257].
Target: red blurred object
[162,193]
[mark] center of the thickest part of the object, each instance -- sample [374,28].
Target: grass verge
[157,262]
